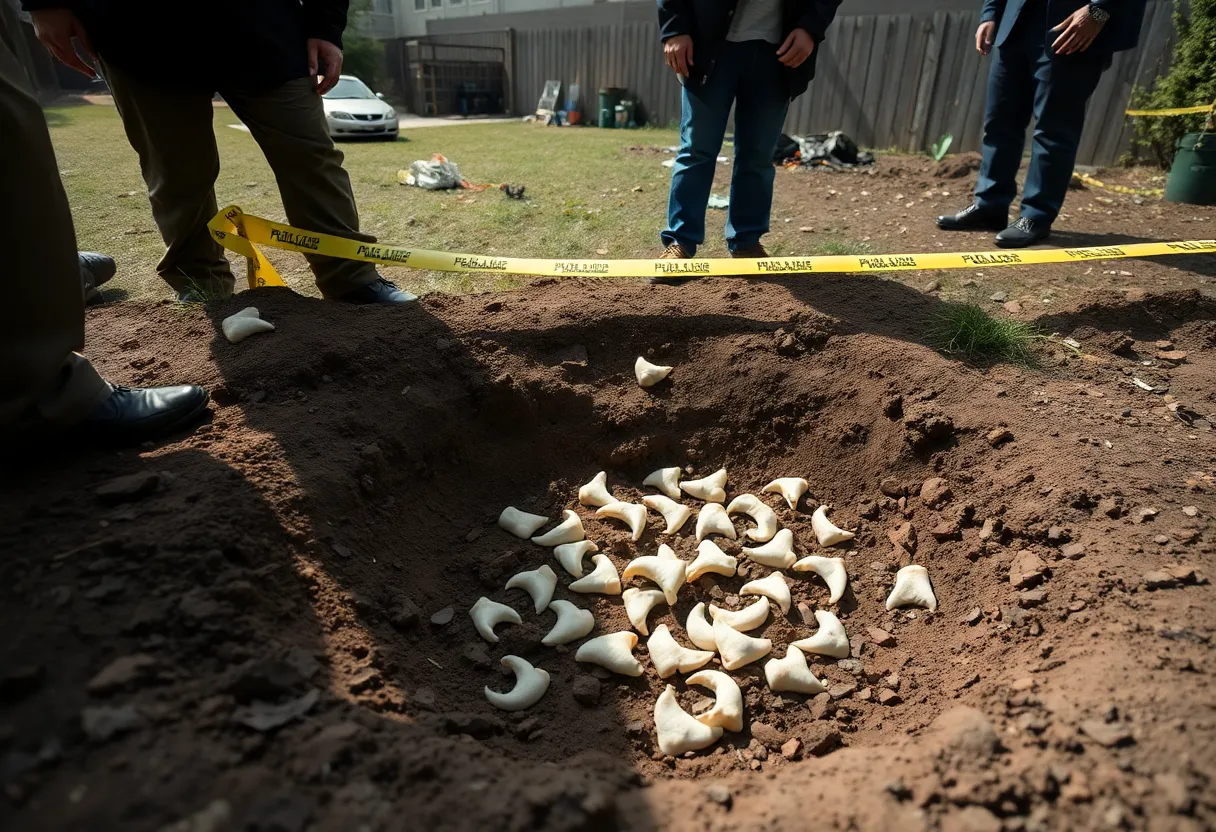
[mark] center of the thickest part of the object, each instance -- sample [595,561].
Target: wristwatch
[1098,14]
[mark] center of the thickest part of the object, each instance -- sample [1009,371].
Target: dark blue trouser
[749,76]
[1028,78]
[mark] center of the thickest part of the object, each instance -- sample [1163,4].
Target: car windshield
[350,88]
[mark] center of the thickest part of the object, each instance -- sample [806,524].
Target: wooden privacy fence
[889,80]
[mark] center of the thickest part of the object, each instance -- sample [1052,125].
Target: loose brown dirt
[243,638]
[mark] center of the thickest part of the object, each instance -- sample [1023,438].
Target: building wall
[419,17]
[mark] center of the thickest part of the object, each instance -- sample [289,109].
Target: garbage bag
[833,150]
[436,175]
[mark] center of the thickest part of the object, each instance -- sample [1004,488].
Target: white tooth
[520,523]
[830,569]
[678,731]
[711,559]
[570,555]
[667,552]
[778,553]
[639,603]
[791,488]
[827,532]
[748,618]
[674,513]
[669,655]
[603,579]
[614,652]
[595,493]
[667,480]
[766,519]
[570,530]
[737,649]
[711,489]
[530,685]
[668,573]
[700,631]
[829,640]
[727,711]
[572,623]
[539,583]
[240,326]
[912,588]
[792,674]
[487,615]
[773,587]
[631,514]
[648,374]
[713,520]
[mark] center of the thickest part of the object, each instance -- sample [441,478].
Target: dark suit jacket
[708,21]
[1121,32]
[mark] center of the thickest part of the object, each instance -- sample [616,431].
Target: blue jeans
[748,76]
[1028,78]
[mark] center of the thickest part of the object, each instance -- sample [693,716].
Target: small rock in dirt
[586,690]
[999,297]
[406,616]
[1190,511]
[1112,507]
[991,527]
[1159,579]
[819,740]
[840,691]
[477,726]
[261,716]
[820,706]
[1073,551]
[104,723]
[1161,539]
[807,613]
[974,616]
[790,748]
[1143,515]
[125,671]
[1055,534]
[635,727]
[1184,573]
[864,695]
[948,529]
[966,734]
[892,487]
[1172,356]
[1174,790]
[867,509]
[1110,735]
[880,637]
[1031,598]
[889,697]
[1077,605]
[932,286]
[999,436]
[935,491]
[1027,570]
[1013,616]
[263,680]
[127,489]
[768,735]
[971,819]
[903,537]
[719,794]
[476,654]
[849,666]
[444,616]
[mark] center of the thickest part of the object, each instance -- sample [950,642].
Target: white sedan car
[353,110]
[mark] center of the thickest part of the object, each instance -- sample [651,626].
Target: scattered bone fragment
[829,640]
[713,520]
[748,618]
[596,493]
[677,730]
[666,480]
[570,555]
[676,514]
[737,649]
[487,615]
[727,711]
[631,514]
[792,674]
[639,603]
[791,488]
[772,587]
[570,530]
[538,583]
[667,552]
[613,652]
[520,523]
[648,375]
[912,589]
[248,321]
[778,553]
[669,656]
[700,631]
[832,571]
[572,624]
[710,558]
[711,489]
[765,517]
[668,573]
[530,685]
[604,579]
[827,532]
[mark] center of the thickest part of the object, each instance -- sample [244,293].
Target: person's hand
[984,36]
[1077,32]
[323,52]
[677,52]
[56,28]
[796,49]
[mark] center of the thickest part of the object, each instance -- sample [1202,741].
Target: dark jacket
[708,21]
[1121,32]
[251,43]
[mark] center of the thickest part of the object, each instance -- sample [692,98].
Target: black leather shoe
[133,415]
[95,269]
[379,290]
[1024,232]
[974,218]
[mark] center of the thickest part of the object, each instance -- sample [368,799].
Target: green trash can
[1193,175]
[609,98]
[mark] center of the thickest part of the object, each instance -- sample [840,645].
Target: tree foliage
[362,55]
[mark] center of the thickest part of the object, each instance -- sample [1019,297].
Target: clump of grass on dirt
[840,247]
[967,330]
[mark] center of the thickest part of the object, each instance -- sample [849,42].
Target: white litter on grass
[596,493]
[709,559]
[748,618]
[791,488]
[714,520]
[670,656]
[778,553]
[829,640]
[603,579]
[727,712]
[240,127]
[792,674]
[570,530]
[570,556]
[531,683]
[710,489]
[766,519]
[520,523]
[827,532]
[700,631]
[238,327]
[572,624]
[538,583]
[678,732]
[639,603]
[631,514]
[487,615]
[830,569]
[667,572]
[912,589]
[648,375]
[666,480]
[613,652]
[772,587]
[676,514]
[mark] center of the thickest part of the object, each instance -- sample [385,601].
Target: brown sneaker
[675,251]
[755,252]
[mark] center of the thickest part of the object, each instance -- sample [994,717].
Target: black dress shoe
[95,269]
[974,218]
[379,290]
[133,415]
[1024,232]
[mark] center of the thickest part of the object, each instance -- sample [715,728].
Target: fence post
[509,70]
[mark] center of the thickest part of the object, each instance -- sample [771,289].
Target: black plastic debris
[831,150]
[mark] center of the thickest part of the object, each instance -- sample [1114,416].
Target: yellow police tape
[1175,111]
[242,233]
[1119,189]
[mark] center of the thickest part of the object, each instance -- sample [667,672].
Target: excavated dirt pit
[266,627]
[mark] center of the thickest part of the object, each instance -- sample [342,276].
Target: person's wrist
[1097,13]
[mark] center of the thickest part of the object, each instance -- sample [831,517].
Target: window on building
[456,2]
[419,5]
[436,4]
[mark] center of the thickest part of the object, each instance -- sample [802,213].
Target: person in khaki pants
[46,386]
[164,62]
